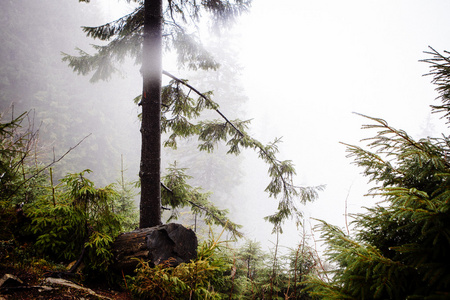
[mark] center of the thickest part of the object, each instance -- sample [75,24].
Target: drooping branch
[255,144]
[204,97]
[281,172]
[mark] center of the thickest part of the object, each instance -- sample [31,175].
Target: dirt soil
[32,288]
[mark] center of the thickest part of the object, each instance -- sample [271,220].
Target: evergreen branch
[400,145]
[102,62]
[383,124]
[182,193]
[205,98]
[440,70]
[398,250]
[120,27]
[173,7]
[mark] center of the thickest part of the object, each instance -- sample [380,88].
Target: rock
[169,244]
[8,281]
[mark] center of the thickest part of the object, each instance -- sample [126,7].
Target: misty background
[298,69]
[310,64]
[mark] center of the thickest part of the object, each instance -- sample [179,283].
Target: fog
[306,67]
[310,64]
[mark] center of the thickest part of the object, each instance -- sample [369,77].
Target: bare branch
[47,166]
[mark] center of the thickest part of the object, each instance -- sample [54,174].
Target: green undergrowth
[66,227]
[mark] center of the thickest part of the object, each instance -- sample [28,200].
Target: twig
[47,166]
[274,267]
[317,253]
[78,262]
[345,213]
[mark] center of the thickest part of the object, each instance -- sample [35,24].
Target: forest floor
[39,286]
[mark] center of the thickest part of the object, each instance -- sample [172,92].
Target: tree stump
[170,244]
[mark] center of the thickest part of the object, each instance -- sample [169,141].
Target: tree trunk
[150,206]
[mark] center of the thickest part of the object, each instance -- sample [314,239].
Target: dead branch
[47,166]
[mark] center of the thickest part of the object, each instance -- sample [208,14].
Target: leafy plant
[71,220]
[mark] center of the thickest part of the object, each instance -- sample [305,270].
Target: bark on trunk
[150,206]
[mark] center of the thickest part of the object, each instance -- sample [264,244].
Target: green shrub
[76,216]
[194,280]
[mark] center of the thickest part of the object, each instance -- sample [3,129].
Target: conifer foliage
[78,217]
[400,249]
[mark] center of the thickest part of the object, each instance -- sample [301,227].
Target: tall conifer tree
[150,211]
[154,25]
